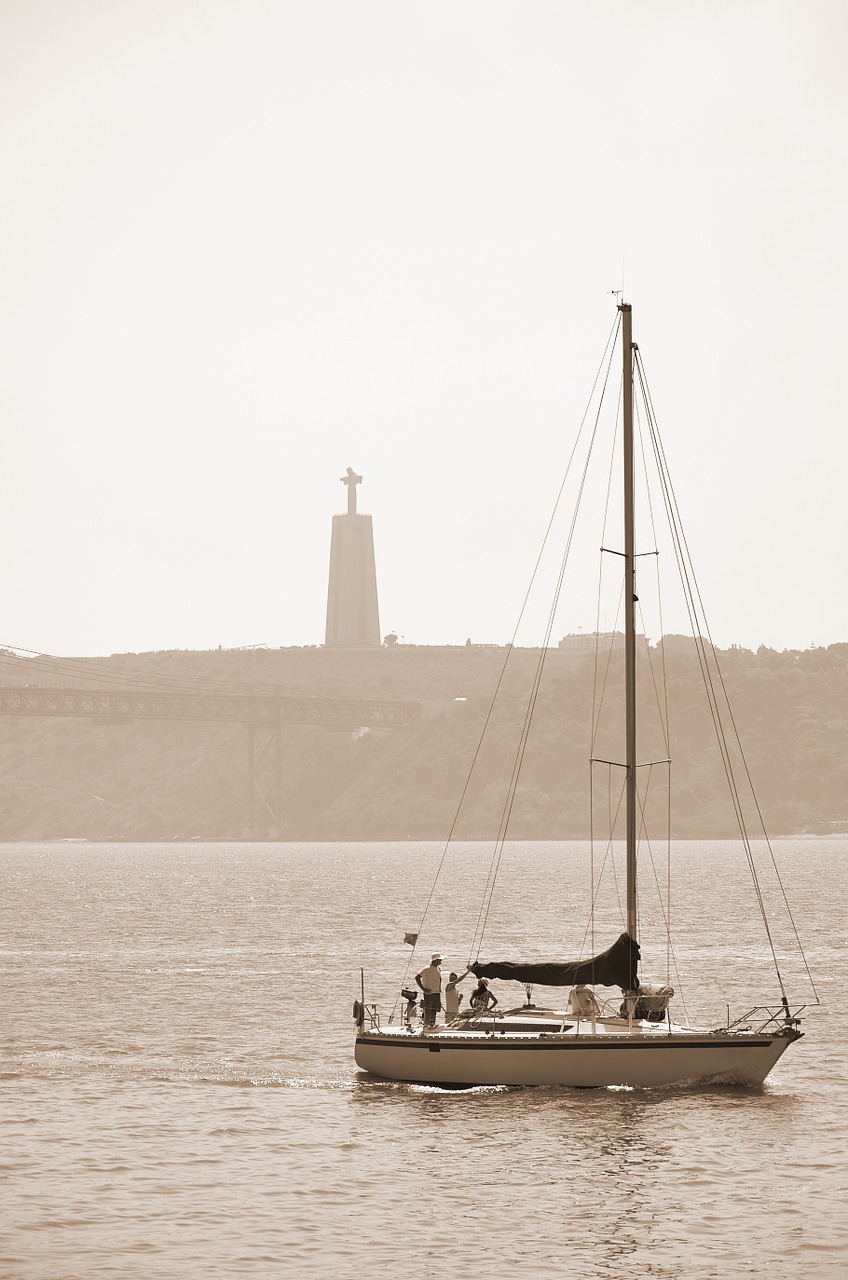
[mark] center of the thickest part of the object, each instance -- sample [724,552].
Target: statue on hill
[353,620]
[351,480]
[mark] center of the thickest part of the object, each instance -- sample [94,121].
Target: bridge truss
[262,712]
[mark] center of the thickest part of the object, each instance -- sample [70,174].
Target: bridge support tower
[264,781]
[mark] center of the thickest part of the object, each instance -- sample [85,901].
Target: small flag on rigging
[410,939]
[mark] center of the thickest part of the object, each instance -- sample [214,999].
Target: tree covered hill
[162,780]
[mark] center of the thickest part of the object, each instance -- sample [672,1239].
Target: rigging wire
[603,370]
[599,697]
[597,708]
[662,709]
[518,759]
[609,854]
[596,713]
[692,600]
[717,698]
[721,712]
[664,910]
[610,649]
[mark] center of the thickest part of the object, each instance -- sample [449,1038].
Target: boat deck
[538,1022]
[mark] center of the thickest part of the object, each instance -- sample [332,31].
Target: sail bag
[615,967]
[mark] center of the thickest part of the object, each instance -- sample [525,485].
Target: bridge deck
[243,708]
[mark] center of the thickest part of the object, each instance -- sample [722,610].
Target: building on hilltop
[587,641]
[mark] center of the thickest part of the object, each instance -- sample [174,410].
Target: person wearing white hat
[430,982]
[482,999]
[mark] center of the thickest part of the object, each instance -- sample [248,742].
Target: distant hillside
[148,780]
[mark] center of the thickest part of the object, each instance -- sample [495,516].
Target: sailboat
[586,1040]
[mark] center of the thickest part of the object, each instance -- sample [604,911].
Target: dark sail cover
[615,967]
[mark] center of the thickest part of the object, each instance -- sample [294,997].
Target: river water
[179,1097]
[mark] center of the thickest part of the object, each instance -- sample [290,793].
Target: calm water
[179,1097]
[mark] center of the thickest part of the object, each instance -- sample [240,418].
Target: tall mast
[629,617]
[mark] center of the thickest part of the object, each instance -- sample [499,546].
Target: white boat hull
[644,1057]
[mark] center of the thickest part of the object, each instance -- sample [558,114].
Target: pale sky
[245,244]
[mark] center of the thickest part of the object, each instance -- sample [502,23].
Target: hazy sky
[245,244]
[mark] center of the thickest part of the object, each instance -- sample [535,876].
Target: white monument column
[353,620]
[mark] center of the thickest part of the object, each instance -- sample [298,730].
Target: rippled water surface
[179,1097]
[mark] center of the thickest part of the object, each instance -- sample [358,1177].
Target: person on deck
[430,982]
[482,999]
[453,998]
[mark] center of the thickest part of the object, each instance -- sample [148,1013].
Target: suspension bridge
[263,711]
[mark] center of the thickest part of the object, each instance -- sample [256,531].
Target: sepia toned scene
[424,670]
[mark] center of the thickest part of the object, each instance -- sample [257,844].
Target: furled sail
[615,967]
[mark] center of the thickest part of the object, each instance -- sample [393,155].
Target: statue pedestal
[353,620]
